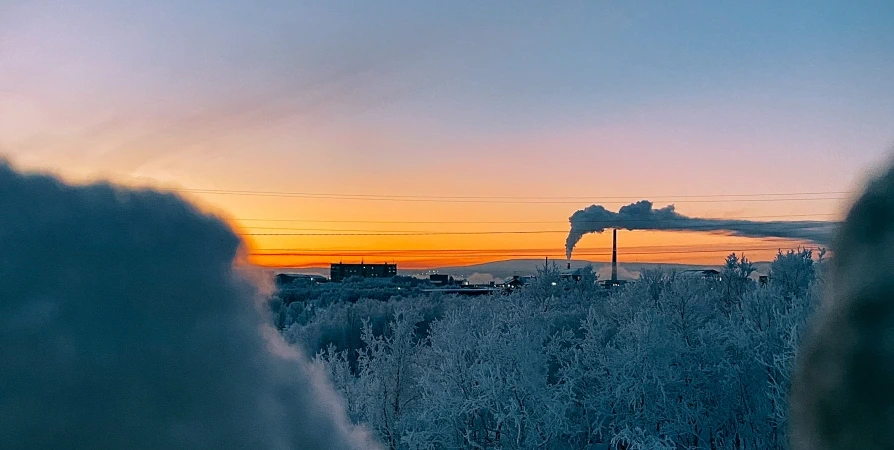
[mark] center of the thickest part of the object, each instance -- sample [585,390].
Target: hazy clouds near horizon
[124,325]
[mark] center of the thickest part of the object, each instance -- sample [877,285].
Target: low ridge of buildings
[341,271]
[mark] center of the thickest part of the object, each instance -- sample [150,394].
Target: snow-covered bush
[665,362]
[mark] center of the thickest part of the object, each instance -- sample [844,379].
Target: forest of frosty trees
[663,363]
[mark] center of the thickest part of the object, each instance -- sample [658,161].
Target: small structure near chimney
[705,274]
[439,279]
[570,274]
[516,282]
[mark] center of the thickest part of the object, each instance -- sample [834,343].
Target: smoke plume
[605,273]
[124,324]
[642,216]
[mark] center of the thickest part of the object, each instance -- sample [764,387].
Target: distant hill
[301,271]
[504,269]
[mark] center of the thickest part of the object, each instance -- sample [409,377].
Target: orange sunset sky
[460,132]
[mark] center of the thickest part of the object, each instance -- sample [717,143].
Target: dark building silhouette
[285,279]
[517,282]
[467,291]
[338,272]
[608,284]
[571,274]
[440,279]
[707,274]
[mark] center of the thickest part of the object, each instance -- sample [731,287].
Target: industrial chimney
[614,257]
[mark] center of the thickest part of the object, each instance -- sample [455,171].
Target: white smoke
[123,324]
[642,216]
[605,273]
[480,278]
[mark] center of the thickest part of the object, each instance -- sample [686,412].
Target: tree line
[667,362]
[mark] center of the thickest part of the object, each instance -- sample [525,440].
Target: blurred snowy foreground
[123,324]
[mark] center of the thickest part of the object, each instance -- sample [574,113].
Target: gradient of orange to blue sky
[556,104]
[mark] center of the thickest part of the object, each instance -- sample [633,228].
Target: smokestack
[642,216]
[615,256]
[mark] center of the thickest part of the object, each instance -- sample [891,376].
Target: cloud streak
[642,216]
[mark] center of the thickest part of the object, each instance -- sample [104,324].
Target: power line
[707,198]
[473,260]
[669,223]
[502,222]
[722,247]
[574,202]
[538,255]
[433,233]
[347,233]
[500,197]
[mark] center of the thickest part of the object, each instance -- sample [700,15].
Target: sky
[301,122]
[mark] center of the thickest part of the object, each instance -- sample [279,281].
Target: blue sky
[526,97]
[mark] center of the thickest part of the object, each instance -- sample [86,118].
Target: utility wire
[459,233]
[707,198]
[378,232]
[501,222]
[634,247]
[576,253]
[498,197]
[444,262]
[434,233]
[659,223]
[460,252]
[562,202]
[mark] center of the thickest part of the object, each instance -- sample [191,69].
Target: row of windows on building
[339,272]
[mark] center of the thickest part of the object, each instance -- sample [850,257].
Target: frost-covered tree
[665,362]
[336,363]
[736,279]
[485,379]
[794,270]
[388,372]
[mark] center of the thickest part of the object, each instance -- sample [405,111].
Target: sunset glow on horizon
[460,133]
[452,234]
